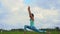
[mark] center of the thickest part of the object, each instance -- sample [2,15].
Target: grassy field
[18,32]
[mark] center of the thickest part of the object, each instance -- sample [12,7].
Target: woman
[32,27]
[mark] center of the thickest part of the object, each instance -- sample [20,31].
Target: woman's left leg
[37,30]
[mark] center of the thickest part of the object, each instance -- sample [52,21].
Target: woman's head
[32,14]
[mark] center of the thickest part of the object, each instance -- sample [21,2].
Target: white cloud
[42,13]
[45,17]
[15,15]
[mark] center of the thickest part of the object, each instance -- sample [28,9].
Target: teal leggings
[33,28]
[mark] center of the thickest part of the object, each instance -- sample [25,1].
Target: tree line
[55,29]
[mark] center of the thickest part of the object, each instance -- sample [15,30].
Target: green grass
[18,32]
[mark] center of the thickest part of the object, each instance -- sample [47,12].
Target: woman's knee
[25,26]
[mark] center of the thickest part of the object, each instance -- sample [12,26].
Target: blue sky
[14,14]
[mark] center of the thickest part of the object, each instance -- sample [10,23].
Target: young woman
[32,27]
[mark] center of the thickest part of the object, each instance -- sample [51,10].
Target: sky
[14,14]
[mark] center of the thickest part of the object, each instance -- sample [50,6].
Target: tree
[57,28]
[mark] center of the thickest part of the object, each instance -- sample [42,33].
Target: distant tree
[57,28]
[0,29]
[17,29]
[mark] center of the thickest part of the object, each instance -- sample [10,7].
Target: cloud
[45,17]
[44,12]
[47,4]
[14,13]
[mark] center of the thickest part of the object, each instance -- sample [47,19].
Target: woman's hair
[32,14]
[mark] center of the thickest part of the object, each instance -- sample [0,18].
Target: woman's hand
[28,8]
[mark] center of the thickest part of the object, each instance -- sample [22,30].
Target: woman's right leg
[26,26]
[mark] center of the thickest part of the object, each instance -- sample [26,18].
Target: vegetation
[21,31]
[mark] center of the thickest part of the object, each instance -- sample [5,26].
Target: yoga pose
[32,27]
